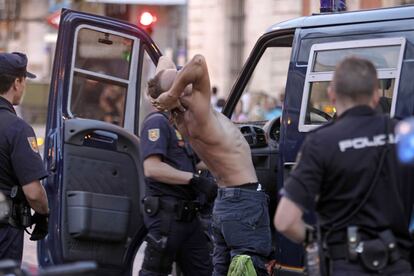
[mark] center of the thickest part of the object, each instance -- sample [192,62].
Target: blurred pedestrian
[239,115]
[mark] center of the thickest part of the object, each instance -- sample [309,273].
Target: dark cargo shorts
[240,226]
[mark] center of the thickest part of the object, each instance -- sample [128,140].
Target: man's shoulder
[156,117]
[323,130]
[156,122]
[10,121]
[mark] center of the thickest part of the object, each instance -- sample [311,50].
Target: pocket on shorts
[218,218]
[257,219]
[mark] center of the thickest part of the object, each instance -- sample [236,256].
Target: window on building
[386,55]
[101,78]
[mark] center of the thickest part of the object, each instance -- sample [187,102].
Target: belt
[255,186]
[340,251]
[183,210]
[172,205]
[337,252]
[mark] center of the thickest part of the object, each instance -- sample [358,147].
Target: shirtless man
[240,214]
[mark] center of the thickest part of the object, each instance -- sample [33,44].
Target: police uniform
[336,167]
[20,164]
[174,230]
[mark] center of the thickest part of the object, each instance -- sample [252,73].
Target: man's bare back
[215,139]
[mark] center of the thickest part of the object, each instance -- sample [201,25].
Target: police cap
[14,64]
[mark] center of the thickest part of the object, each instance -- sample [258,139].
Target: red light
[147,19]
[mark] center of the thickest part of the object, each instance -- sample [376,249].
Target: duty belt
[184,210]
[340,251]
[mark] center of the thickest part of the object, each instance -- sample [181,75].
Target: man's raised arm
[194,72]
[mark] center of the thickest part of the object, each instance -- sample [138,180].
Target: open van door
[95,181]
[254,92]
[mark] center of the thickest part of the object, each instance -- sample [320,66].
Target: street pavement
[30,251]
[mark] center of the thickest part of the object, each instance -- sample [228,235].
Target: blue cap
[14,64]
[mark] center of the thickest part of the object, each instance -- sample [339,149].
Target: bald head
[165,74]
[164,63]
[161,83]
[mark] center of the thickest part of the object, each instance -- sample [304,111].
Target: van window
[383,57]
[263,95]
[100,75]
[386,55]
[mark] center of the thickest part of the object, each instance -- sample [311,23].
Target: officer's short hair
[6,82]
[154,86]
[355,78]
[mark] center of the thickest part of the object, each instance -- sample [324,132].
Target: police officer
[21,164]
[347,170]
[171,208]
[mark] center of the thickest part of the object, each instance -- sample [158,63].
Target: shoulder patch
[153,134]
[33,144]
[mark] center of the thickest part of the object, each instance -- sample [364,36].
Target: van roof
[339,18]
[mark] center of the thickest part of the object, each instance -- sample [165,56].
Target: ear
[16,84]
[375,98]
[331,95]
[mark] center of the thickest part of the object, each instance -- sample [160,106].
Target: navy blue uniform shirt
[19,156]
[335,168]
[159,137]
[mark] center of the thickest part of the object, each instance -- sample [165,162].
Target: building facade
[225,31]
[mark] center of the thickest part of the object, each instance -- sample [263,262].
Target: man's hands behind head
[167,102]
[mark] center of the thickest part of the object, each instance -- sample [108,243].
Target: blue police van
[97,103]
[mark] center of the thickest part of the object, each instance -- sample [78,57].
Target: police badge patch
[154,134]
[33,144]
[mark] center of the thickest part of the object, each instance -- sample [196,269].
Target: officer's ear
[375,98]
[15,84]
[18,82]
[331,95]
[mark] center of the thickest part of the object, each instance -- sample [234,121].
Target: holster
[161,243]
[151,205]
[20,215]
[374,254]
[157,259]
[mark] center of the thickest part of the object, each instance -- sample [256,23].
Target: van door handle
[52,152]
[100,138]
[289,165]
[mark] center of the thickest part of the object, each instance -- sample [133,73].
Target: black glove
[205,185]
[41,228]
